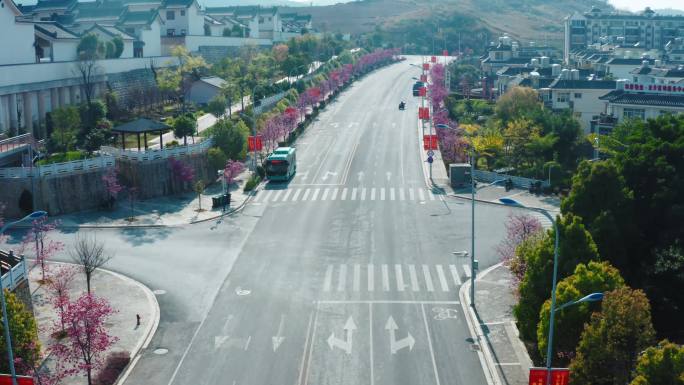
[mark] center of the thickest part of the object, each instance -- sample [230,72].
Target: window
[170,15]
[498,56]
[170,32]
[634,113]
[563,97]
[182,32]
[578,95]
[182,12]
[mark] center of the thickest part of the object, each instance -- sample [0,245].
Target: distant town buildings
[39,45]
[614,67]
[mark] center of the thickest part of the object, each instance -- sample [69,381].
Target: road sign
[430,142]
[433,59]
[430,160]
[426,66]
[431,153]
[559,376]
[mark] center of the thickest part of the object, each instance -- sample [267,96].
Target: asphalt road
[345,275]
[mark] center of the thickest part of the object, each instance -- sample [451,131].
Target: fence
[143,156]
[15,142]
[58,169]
[518,181]
[15,270]
[269,102]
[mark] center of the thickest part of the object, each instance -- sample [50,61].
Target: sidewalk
[109,285]
[162,211]
[492,321]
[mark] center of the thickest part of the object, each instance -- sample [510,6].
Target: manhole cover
[161,351]
[159,292]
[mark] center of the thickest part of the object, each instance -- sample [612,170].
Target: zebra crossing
[345,194]
[545,222]
[394,278]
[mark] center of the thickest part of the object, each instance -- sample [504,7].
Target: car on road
[416,88]
[281,165]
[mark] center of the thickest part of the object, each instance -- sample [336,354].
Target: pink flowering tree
[181,171]
[290,119]
[2,220]
[87,338]
[112,186]
[270,133]
[519,228]
[232,170]
[38,240]
[60,281]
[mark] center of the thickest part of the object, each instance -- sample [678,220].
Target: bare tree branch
[90,255]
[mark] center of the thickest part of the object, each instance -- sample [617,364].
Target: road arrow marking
[303,175]
[360,175]
[328,174]
[278,338]
[395,345]
[333,342]
[220,340]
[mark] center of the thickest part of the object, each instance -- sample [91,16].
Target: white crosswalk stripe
[414,278]
[374,194]
[545,222]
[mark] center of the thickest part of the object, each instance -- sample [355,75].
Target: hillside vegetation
[479,21]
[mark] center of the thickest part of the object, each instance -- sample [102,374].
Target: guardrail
[13,275]
[15,141]
[142,156]
[518,181]
[58,169]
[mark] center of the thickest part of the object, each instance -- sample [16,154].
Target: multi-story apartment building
[646,30]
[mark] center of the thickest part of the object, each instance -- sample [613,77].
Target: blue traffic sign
[429,160]
[430,153]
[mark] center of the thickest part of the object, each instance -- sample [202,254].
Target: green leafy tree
[183,126]
[517,102]
[594,277]
[178,79]
[217,106]
[66,123]
[90,47]
[661,365]
[575,246]
[229,138]
[217,158]
[610,344]
[24,333]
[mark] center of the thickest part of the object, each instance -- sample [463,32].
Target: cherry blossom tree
[38,240]
[181,170]
[519,228]
[112,185]
[82,352]
[61,279]
[233,169]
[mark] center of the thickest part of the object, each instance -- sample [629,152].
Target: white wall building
[581,96]
[644,101]
[16,35]
[182,17]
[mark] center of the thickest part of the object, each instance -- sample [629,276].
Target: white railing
[58,169]
[518,181]
[15,275]
[142,156]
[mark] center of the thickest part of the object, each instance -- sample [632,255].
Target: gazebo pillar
[145,138]
[138,134]
[123,140]
[161,139]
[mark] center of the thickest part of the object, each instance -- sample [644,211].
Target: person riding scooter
[402,105]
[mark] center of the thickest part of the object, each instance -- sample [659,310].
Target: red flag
[426,66]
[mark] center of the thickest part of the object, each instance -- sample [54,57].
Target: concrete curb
[152,329]
[485,354]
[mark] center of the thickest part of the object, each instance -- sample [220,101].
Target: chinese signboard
[559,376]
[254,144]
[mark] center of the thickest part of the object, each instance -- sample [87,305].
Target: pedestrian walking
[137,319]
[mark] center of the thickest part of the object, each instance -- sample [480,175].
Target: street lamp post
[5,322]
[552,315]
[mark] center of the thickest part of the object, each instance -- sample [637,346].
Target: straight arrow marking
[278,338]
[395,345]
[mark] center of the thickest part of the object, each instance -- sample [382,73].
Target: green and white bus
[281,165]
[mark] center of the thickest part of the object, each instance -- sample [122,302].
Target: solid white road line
[328,278]
[442,278]
[357,277]
[385,278]
[466,268]
[371,276]
[455,275]
[414,278]
[429,338]
[428,278]
[343,277]
[400,277]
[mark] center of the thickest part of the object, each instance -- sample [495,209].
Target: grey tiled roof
[646,99]
[583,84]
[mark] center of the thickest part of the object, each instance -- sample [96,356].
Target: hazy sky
[639,5]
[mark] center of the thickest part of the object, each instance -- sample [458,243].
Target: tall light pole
[552,315]
[5,321]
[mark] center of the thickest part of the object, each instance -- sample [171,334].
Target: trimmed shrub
[252,183]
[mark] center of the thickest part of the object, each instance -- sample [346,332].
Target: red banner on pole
[6,379]
[559,376]
[430,142]
[422,91]
[424,113]
[445,53]
[254,144]
[423,78]
[433,59]
[426,66]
